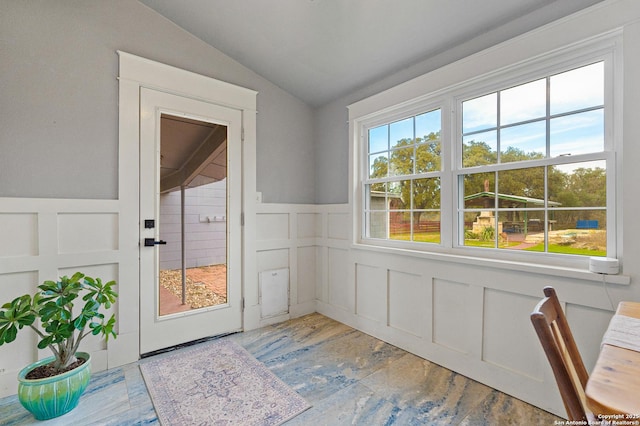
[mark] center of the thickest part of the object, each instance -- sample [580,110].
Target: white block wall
[205,226]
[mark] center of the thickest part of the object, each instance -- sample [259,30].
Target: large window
[403,182]
[527,181]
[523,169]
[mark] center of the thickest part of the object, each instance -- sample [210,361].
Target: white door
[190,220]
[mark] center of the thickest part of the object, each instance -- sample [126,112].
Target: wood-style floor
[349,377]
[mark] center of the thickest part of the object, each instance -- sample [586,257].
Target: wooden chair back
[557,341]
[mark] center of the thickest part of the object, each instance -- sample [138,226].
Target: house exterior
[64,205]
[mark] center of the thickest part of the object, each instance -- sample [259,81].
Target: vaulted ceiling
[320,50]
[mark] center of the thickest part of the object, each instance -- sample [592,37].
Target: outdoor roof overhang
[193,153]
[382,194]
[509,197]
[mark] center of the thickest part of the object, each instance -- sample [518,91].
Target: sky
[569,134]
[522,117]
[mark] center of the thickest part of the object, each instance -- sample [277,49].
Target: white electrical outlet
[258,197]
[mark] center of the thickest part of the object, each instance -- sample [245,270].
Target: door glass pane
[192,215]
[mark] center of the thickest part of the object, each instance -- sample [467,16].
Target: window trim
[605,47]
[366,180]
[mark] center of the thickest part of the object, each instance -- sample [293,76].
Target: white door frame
[137,72]
[159,332]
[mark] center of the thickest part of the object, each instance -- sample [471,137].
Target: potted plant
[52,387]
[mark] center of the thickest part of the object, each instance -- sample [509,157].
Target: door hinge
[242,304]
[242,134]
[242,219]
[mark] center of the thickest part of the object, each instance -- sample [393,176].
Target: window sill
[552,270]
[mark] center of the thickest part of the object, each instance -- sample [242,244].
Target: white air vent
[274,292]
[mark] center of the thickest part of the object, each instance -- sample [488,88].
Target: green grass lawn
[489,244]
[421,237]
[556,248]
[434,237]
[553,248]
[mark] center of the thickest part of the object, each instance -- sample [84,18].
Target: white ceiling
[319,50]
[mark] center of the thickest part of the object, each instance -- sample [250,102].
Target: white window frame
[403,114]
[449,99]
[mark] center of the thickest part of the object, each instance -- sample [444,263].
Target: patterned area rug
[218,383]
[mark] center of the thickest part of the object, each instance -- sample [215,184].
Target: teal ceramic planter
[53,396]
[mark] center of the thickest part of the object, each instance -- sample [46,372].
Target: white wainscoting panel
[86,232]
[43,239]
[371,291]
[307,273]
[453,323]
[408,303]
[273,259]
[273,226]
[509,339]
[338,226]
[596,322]
[309,225]
[341,291]
[472,319]
[299,237]
[13,356]
[19,234]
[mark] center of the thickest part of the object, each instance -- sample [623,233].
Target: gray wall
[59,107]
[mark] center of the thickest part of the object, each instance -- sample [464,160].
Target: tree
[408,158]
[380,168]
[411,156]
[477,153]
[589,185]
[584,187]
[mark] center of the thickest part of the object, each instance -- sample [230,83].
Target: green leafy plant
[487,234]
[61,330]
[470,235]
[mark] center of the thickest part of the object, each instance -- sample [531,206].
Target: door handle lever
[150,242]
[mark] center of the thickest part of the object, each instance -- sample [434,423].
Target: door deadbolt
[150,242]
